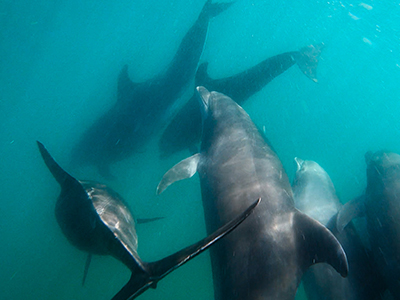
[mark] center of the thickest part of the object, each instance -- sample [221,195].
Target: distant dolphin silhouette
[143,108]
[265,258]
[184,131]
[95,219]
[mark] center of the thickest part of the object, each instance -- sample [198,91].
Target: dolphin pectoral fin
[148,220]
[202,77]
[317,244]
[182,170]
[141,280]
[163,267]
[353,209]
[87,265]
[307,60]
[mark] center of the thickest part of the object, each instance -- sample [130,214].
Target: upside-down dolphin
[95,219]
[315,195]
[184,131]
[143,108]
[266,257]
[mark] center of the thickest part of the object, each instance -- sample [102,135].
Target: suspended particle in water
[367,41]
[366,6]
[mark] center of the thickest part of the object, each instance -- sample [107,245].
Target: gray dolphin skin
[184,131]
[381,207]
[95,219]
[265,257]
[315,195]
[142,109]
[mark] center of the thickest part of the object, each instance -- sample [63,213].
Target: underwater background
[59,61]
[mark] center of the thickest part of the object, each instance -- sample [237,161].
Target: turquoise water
[59,64]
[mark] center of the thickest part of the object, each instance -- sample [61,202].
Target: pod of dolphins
[265,235]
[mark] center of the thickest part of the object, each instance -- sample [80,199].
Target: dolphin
[143,108]
[381,207]
[266,257]
[184,131]
[315,195]
[95,219]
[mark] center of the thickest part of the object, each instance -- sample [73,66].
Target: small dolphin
[142,109]
[95,219]
[381,206]
[315,195]
[184,131]
[267,256]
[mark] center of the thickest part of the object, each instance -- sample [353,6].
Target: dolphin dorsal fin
[317,244]
[350,210]
[182,170]
[126,87]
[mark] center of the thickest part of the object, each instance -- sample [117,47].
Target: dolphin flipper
[87,265]
[307,60]
[317,244]
[148,220]
[352,209]
[182,170]
[159,269]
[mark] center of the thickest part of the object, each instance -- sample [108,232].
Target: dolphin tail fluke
[182,170]
[155,271]
[307,60]
[214,9]
[352,209]
[59,174]
[317,244]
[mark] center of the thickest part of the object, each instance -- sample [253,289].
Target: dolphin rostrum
[95,219]
[267,256]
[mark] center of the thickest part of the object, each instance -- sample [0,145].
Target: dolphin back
[155,271]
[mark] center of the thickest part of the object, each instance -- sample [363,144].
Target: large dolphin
[315,195]
[381,207]
[267,256]
[184,131]
[95,219]
[143,108]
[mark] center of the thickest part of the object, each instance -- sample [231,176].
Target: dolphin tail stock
[159,269]
[182,170]
[318,244]
[350,210]
[307,60]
